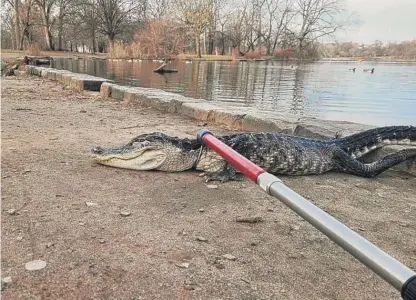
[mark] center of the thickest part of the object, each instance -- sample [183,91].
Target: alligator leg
[350,165]
[225,174]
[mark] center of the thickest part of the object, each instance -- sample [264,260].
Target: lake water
[321,89]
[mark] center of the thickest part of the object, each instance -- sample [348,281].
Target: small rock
[50,244]
[19,238]
[254,243]
[249,219]
[190,285]
[26,171]
[212,186]
[245,280]
[270,209]
[91,204]
[102,241]
[5,282]
[125,213]
[82,111]
[229,257]
[184,265]
[12,211]
[296,256]
[201,239]
[201,210]
[294,227]
[35,265]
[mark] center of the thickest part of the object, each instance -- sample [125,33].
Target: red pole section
[234,158]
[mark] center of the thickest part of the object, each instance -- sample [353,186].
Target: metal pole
[395,273]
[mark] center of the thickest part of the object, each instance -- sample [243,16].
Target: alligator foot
[228,173]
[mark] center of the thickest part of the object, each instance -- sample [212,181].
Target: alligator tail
[359,144]
[350,165]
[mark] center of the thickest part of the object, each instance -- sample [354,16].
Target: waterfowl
[353,69]
[369,70]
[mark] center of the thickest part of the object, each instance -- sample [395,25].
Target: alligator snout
[97,150]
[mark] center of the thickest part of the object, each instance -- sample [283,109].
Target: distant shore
[8,55]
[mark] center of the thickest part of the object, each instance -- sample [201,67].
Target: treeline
[154,28]
[395,51]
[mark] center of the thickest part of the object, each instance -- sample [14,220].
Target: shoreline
[7,55]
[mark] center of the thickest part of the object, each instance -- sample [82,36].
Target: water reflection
[322,90]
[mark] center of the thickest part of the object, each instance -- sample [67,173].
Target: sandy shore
[109,233]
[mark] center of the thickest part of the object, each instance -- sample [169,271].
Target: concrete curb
[232,118]
[78,82]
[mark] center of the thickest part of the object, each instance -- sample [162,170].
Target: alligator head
[151,151]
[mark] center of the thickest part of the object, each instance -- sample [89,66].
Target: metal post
[395,273]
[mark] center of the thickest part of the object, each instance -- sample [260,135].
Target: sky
[385,20]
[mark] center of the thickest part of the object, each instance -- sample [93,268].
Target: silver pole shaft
[377,260]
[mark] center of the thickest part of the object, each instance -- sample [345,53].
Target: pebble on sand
[35,265]
[212,186]
[229,257]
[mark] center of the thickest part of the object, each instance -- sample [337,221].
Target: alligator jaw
[143,159]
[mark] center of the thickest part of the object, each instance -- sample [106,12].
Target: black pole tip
[201,133]
[409,289]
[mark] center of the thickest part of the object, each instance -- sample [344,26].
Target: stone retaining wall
[232,118]
[76,81]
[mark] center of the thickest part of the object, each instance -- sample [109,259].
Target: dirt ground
[110,233]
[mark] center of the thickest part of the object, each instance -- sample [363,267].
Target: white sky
[385,20]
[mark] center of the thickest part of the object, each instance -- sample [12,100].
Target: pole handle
[409,289]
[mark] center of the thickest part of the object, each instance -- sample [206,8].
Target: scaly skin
[274,152]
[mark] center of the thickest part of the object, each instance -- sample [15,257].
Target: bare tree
[236,26]
[315,19]
[280,14]
[158,9]
[65,8]
[115,15]
[46,11]
[7,28]
[197,15]
[15,28]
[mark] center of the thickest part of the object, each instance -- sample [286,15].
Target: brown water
[322,89]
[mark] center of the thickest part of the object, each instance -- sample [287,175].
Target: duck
[369,70]
[353,69]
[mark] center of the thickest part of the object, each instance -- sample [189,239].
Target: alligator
[277,153]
